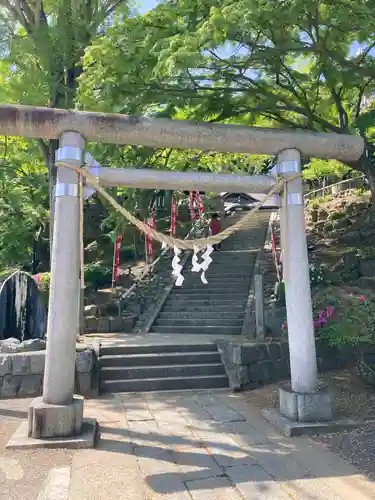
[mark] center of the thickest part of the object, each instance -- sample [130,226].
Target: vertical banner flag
[116,259]
[200,203]
[152,223]
[173,216]
[193,212]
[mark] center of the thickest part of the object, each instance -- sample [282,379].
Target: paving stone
[213,488]
[195,463]
[207,400]
[254,482]
[222,413]
[139,415]
[278,462]
[145,433]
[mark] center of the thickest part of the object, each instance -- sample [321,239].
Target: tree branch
[44,149]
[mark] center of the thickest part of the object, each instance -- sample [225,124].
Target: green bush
[127,254]
[366,253]
[352,321]
[337,215]
[97,275]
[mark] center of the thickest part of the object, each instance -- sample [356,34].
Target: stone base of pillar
[49,420]
[305,407]
[305,414]
[55,426]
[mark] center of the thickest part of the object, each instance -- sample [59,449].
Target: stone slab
[291,428]
[86,439]
[213,488]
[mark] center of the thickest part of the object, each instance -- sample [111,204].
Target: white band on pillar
[295,199]
[69,153]
[288,167]
[63,189]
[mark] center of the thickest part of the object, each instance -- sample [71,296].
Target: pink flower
[329,311]
[362,298]
[284,326]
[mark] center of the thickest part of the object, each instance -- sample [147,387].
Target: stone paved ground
[177,446]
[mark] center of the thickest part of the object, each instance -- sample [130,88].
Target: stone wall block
[37,362]
[5,364]
[21,364]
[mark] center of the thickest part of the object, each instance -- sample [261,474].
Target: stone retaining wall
[251,365]
[21,374]
[109,324]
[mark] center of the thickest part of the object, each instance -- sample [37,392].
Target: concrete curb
[289,428]
[163,298]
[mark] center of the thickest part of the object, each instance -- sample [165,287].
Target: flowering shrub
[348,319]
[316,274]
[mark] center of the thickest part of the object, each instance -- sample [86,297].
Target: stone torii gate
[59,413]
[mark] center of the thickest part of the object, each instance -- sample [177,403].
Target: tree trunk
[52,147]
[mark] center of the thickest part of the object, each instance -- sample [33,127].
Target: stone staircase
[161,367]
[217,308]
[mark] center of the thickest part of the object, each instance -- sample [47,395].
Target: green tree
[289,64]
[41,44]
[24,207]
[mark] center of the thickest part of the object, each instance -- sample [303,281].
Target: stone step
[211,288]
[195,279]
[203,314]
[238,295]
[191,278]
[160,371]
[223,273]
[165,358]
[108,350]
[199,309]
[198,322]
[165,384]
[205,302]
[197,330]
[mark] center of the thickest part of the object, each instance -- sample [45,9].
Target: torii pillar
[301,400]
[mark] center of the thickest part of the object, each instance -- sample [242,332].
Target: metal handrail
[330,186]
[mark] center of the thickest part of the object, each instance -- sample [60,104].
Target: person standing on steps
[215,228]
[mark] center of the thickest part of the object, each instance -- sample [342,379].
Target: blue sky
[145,5]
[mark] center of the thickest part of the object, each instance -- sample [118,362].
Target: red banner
[152,223]
[116,259]
[200,203]
[193,212]
[173,216]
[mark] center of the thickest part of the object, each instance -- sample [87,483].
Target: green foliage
[127,254]
[333,216]
[316,274]
[319,169]
[44,282]
[23,199]
[289,64]
[97,275]
[353,323]
[366,253]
